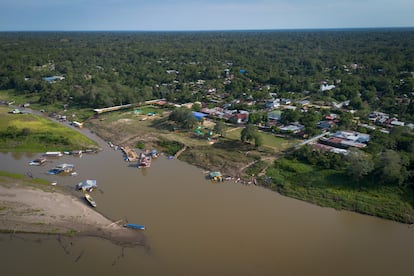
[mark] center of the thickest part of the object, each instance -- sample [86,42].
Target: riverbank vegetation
[333,188]
[333,182]
[32,133]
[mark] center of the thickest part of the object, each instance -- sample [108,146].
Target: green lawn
[269,140]
[32,133]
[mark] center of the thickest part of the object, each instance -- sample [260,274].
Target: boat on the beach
[134,226]
[87,185]
[38,161]
[91,201]
[130,154]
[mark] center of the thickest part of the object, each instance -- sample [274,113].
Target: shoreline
[30,210]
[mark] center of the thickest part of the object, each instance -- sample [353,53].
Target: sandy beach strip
[26,209]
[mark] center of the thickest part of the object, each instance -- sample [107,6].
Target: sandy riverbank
[27,209]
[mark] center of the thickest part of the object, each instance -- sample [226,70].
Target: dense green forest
[371,67]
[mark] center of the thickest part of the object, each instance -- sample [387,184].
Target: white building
[326,87]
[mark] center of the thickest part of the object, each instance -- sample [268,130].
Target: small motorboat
[62,168]
[134,226]
[54,171]
[91,201]
[38,161]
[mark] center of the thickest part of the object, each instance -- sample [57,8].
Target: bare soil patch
[231,157]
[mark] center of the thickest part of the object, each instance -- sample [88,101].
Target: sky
[182,15]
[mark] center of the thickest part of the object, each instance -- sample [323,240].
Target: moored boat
[76,152]
[216,176]
[65,167]
[87,185]
[62,168]
[134,226]
[53,153]
[54,171]
[90,199]
[144,161]
[38,161]
[154,153]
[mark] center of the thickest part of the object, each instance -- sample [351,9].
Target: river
[196,227]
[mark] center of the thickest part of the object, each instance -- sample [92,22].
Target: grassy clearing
[170,147]
[331,188]
[225,155]
[148,109]
[269,140]
[32,133]
[9,95]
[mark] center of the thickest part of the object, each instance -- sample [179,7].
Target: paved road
[312,139]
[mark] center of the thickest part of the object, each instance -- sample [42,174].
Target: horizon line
[219,30]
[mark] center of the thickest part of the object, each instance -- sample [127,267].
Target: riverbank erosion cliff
[25,209]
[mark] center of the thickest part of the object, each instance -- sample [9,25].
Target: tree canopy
[183,117]
[108,68]
[249,134]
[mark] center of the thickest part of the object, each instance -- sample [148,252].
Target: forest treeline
[370,67]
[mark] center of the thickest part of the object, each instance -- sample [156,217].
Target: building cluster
[230,115]
[342,141]
[384,119]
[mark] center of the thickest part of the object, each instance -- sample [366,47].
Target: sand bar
[27,209]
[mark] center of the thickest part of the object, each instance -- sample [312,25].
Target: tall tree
[249,134]
[391,168]
[289,116]
[220,128]
[359,165]
[183,117]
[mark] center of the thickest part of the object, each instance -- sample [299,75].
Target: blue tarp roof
[49,78]
[199,115]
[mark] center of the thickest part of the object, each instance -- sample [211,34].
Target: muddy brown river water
[196,227]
